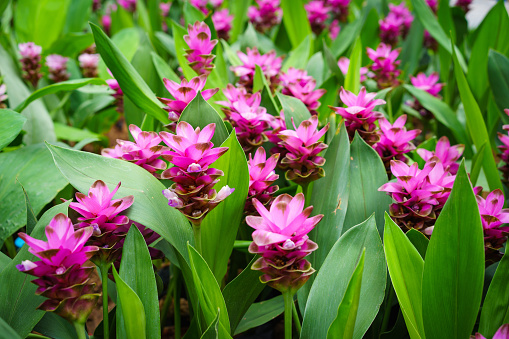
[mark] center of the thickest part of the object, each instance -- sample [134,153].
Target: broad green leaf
[132,309]
[212,331]
[192,14]
[65,132]
[295,20]
[316,68]
[180,48]
[294,110]
[33,167]
[350,32]
[370,33]
[220,226]
[132,84]
[419,240]
[498,73]
[352,80]
[332,281]
[150,208]
[343,326]
[17,295]
[77,16]
[261,313]
[477,162]
[477,127]
[405,268]
[128,41]
[89,107]
[54,326]
[454,268]
[412,48]
[7,331]
[332,63]
[31,216]
[137,272]
[4,261]
[11,124]
[238,9]
[231,55]
[299,56]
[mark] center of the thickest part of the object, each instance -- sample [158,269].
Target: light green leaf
[294,109]
[299,56]
[498,73]
[11,124]
[295,20]
[352,80]
[238,9]
[261,313]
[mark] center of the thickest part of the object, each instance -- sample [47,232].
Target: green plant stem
[306,189]
[167,302]
[197,237]
[176,304]
[288,297]
[387,312]
[296,319]
[11,248]
[80,330]
[104,277]
[389,106]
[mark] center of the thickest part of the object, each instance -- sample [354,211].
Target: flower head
[299,84]
[199,55]
[445,153]
[88,64]
[3,95]
[339,8]
[57,67]
[31,62]
[334,29]
[267,15]
[464,5]
[385,65]
[429,83]
[129,5]
[390,29]
[269,63]
[202,4]
[261,178]
[118,94]
[222,23]
[317,13]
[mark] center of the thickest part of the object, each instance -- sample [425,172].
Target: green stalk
[306,189]
[388,308]
[104,277]
[197,237]
[288,297]
[389,106]
[11,248]
[176,304]
[296,319]
[167,301]
[80,330]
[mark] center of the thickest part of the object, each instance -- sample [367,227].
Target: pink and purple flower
[269,63]
[199,55]
[31,62]
[385,65]
[318,13]
[261,179]
[297,83]
[267,15]
[445,153]
[57,67]
[222,23]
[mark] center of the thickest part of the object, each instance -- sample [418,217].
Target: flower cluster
[192,153]
[297,83]
[106,18]
[339,8]
[31,62]
[433,4]
[57,67]
[129,5]
[334,29]
[199,55]
[445,153]
[165,11]
[385,65]
[278,124]
[267,15]
[222,23]
[396,24]
[504,148]
[269,63]
[429,84]
[88,64]
[62,273]
[317,13]
[261,178]
[3,96]
[118,94]
[202,4]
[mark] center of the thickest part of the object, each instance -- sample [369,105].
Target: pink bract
[317,13]
[299,84]
[385,65]
[200,48]
[269,63]
[222,23]
[429,83]
[261,177]
[445,153]
[267,15]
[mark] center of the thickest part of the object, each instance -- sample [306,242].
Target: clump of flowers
[359,114]
[344,63]
[281,240]
[222,23]
[62,273]
[278,124]
[445,153]
[129,5]
[385,65]
[184,93]
[192,153]
[297,83]
[57,67]
[395,141]
[31,62]
[302,162]
[88,64]
[118,94]
[165,11]
[390,29]
[199,55]
[202,4]
[144,151]
[106,18]
[3,96]
[429,84]
[339,8]
[261,179]
[464,5]
[267,15]
[250,120]
[318,14]
[269,63]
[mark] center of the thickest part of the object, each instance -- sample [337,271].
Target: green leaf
[212,331]
[72,44]
[7,331]
[4,261]
[137,272]
[332,63]
[477,128]
[454,268]
[31,216]
[329,98]
[405,268]
[132,84]
[498,72]
[343,326]
[132,309]
[332,281]
[54,326]
[27,166]
[352,80]
[316,68]
[367,174]
[477,162]
[299,56]
[11,124]
[294,109]
[295,20]
[89,107]
[238,9]
[192,14]
[412,48]
[77,16]
[419,240]
[17,295]
[350,32]
[65,132]
[261,313]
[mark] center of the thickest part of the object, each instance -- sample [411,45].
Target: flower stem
[288,297]
[104,277]
[306,189]
[296,319]
[80,330]
[197,237]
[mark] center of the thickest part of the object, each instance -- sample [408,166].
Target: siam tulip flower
[502,333]
[281,239]
[199,55]
[359,115]
[62,273]
[184,93]
[144,151]
[88,64]
[267,15]
[106,18]
[165,11]
[222,23]
[334,29]
[57,67]
[297,83]
[269,64]
[464,5]
[395,141]
[429,83]
[202,4]
[429,41]
[385,65]
[504,155]
[250,120]
[261,177]
[344,63]
[129,5]
[493,216]
[118,94]
[339,8]
[3,96]
[318,14]
[390,29]
[31,62]
[401,12]
[445,154]
[277,124]
[192,153]
[96,5]
[433,4]
[99,210]
[303,145]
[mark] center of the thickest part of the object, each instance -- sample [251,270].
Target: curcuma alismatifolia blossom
[397,23]
[88,64]
[31,62]
[504,148]
[144,151]
[129,5]
[62,273]
[445,153]
[359,114]
[118,94]
[57,67]
[192,153]
[202,4]
[339,8]
[502,333]
[318,13]
[302,162]
[297,83]
[269,64]
[99,210]
[222,23]
[429,84]
[199,55]
[250,120]
[464,5]
[267,15]
[281,239]
[385,65]
[261,178]
[3,96]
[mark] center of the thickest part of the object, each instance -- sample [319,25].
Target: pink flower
[129,5]
[344,63]
[269,63]
[390,29]
[31,62]
[165,8]
[144,151]
[504,155]
[334,29]
[88,64]
[444,153]
[261,177]
[503,331]
[267,15]
[200,48]
[303,146]
[300,85]
[62,275]
[401,12]
[222,23]
[184,93]
[30,50]
[57,67]
[427,83]
[429,41]
[317,13]
[118,94]
[464,5]
[433,4]
[339,8]
[3,95]
[202,4]
[385,65]
[281,239]
[278,124]
[359,115]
